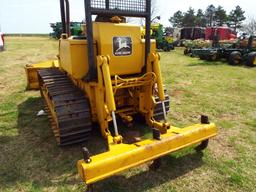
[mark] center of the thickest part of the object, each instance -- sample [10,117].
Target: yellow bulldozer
[111,74]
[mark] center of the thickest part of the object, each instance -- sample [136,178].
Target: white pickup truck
[1,41]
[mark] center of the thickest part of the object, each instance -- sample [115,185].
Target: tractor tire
[251,59]
[202,57]
[235,58]
[212,56]
[185,51]
[167,48]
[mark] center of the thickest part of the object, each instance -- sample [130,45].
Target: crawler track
[67,107]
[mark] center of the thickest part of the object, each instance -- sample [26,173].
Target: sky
[34,16]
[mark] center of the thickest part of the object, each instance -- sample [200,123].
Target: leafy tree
[189,18]
[177,19]
[213,16]
[200,19]
[220,16]
[209,15]
[236,17]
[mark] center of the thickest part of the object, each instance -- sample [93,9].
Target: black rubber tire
[213,56]
[166,49]
[235,58]
[202,57]
[251,59]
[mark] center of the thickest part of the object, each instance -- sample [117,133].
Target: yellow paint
[73,53]
[31,72]
[120,65]
[124,156]
[169,39]
[108,85]
[73,56]
[159,81]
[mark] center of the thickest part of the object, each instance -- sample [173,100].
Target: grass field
[30,160]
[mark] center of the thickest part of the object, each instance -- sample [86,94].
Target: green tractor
[246,53]
[164,40]
[75,29]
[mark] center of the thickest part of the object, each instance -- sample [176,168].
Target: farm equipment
[164,41]
[220,38]
[75,29]
[195,44]
[215,52]
[235,53]
[242,54]
[223,33]
[192,33]
[112,74]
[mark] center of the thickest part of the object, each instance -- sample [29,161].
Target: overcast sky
[34,16]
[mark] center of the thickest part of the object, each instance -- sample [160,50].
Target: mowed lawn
[30,160]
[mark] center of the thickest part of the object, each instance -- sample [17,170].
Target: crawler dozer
[111,74]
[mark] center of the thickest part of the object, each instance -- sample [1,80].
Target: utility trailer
[233,54]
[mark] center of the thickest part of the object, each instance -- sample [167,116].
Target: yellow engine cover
[122,42]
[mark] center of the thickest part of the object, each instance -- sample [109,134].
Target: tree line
[212,16]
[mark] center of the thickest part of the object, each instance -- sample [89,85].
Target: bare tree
[154,9]
[141,21]
[154,13]
[250,26]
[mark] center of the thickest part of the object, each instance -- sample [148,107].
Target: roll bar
[65,16]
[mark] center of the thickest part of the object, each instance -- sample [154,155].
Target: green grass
[30,160]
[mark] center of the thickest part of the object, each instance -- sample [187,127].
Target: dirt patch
[220,146]
[176,93]
[228,116]
[184,83]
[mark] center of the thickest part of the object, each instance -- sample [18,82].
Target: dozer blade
[31,72]
[124,156]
